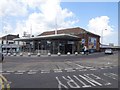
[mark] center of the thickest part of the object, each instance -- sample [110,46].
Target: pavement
[82,71]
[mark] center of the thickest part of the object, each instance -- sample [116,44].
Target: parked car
[108,51]
[1,56]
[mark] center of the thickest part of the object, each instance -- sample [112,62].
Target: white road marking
[85,81]
[83,70]
[60,84]
[84,85]
[99,78]
[5,73]
[79,66]
[70,70]
[90,80]
[32,72]
[102,68]
[20,73]
[111,75]
[89,67]
[57,70]
[93,69]
[45,71]
[10,71]
[71,82]
[1,71]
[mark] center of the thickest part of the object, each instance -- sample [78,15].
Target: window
[11,42]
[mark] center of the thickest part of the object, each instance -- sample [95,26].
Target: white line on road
[83,70]
[71,70]
[57,70]
[5,73]
[68,68]
[10,71]
[20,73]
[45,71]
[1,71]
[31,72]
[93,69]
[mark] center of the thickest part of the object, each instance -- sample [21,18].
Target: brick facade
[82,33]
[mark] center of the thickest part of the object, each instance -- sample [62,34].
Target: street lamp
[6,42]
[102,36]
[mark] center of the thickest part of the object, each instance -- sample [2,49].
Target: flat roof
[49,37]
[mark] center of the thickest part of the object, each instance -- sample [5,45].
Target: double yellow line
[4,83]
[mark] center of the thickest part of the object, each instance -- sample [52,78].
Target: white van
[1,57]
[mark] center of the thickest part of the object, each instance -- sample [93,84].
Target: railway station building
[65,40]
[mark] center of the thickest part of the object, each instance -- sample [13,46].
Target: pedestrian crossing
[37,71]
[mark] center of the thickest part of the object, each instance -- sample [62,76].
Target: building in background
[8,45]
[65,40]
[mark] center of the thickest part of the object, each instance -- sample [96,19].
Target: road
[83,71]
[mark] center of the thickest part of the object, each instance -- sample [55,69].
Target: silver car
[1,56]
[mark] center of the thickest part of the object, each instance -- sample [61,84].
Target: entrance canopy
[50,37]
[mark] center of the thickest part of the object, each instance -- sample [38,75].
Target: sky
[37,16]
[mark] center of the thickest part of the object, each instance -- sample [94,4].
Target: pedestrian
[85,50]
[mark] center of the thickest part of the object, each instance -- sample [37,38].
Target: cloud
[41,15]
[100,26]
[12,7]
[112,38]
[49,15]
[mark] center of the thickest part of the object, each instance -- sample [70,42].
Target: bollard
[9,54]
[14,54]
[49,54]
[29,54]
[82,53]
[76,53]
[21,54]
[58,53]
[68,53]
[38,54]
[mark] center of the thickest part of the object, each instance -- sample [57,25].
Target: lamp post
[102,36]
[6,42]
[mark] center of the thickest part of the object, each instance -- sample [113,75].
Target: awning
[49,37]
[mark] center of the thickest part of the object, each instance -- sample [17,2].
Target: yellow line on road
[4,81]
[1,83]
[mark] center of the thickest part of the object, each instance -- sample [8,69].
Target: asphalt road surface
[83,71]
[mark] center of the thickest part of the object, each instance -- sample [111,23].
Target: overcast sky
[17,16]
